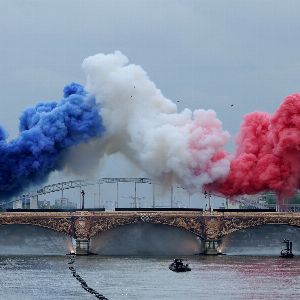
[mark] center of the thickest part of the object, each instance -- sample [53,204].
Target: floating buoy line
[83,283]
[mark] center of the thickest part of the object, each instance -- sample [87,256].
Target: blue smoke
[46,132]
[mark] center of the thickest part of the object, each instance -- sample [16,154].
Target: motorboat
[178,266]
[287,252]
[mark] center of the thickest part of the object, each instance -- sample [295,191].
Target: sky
[205,54]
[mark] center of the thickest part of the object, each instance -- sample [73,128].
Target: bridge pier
[82,246]
[211,247]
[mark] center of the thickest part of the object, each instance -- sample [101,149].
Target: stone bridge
[211,227]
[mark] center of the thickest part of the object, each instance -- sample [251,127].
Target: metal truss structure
[56,187]
[61,186]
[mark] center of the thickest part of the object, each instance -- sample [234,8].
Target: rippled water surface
[221,277]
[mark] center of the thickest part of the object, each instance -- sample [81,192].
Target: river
[145,278]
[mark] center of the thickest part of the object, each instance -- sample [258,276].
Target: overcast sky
[207,54]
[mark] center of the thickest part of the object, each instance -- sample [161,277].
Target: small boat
[178,266]
[288,251]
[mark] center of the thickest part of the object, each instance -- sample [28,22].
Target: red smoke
[268,153]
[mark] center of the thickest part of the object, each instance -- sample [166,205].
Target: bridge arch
[236,224]
[62,225]
[193,225]
[265,239]
[28,239]
[145,238]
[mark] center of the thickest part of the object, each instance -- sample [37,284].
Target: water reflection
[140,278]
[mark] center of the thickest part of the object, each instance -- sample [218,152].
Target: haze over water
[135,278]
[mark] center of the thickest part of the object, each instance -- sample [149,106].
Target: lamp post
[99,192]
[135,203]
[172,196]
[153,195]
[117,201]
[82,194]
[208,195]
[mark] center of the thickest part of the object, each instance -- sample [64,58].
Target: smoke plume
[46,132]
[186,148]
[268,153]
[183,147]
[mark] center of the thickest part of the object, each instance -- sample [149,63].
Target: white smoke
[184,148]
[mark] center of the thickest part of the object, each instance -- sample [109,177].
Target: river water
[143,278]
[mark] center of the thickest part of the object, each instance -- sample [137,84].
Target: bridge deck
[129,213]
[208,225]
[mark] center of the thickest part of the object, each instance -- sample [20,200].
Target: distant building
[25,198]
[44,204]
[34,202]
[260,200]
[17,204]
[64,203]
[26,201]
